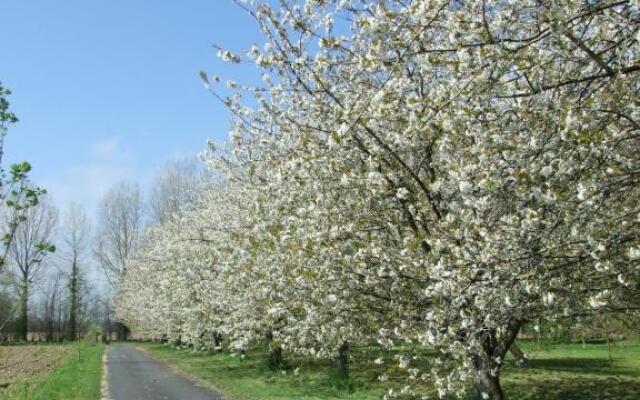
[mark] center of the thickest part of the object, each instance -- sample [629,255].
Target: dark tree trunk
[489,385]
[489,363]
[609,348]
[217,340]
[342,361]
[50,315]
[275,356]
[275,352]
[521,358]
[73,303]
[22,323]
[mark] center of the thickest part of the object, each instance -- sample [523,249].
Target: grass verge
[556,371]
[78,377]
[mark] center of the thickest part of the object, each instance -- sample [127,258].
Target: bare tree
[119,230]
[29,247]
[175,188]
[53,317]
[75,236]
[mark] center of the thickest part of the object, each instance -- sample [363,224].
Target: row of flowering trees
[433,173]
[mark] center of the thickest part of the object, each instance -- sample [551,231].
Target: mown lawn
[250,378]
[76,376]
[571,371]
[561,371]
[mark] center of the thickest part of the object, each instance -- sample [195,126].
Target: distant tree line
[46,293]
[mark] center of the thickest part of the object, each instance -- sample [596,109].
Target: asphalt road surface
[132,375]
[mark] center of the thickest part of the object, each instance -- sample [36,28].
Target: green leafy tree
[15,192]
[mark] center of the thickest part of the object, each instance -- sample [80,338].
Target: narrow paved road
[132,375]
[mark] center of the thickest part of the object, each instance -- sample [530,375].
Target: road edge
[104,386]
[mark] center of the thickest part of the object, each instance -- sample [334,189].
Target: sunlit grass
[571,371]
[77,378]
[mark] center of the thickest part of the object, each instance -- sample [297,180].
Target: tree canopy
[435,173]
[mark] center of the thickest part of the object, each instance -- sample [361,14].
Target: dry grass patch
[28,362]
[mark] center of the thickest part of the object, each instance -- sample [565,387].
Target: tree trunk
[342,361]
[23,315]
[489,362]
[609,349]
[217,340]
[488,385]
[275,356]
[49,318]
[521,358]
[73,303]
[275,352]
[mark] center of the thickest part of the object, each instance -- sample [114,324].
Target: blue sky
[109,90]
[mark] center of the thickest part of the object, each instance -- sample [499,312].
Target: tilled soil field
[23,362]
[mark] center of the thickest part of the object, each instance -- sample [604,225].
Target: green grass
[77,378]
[561,371]
[250,378]
[569,371]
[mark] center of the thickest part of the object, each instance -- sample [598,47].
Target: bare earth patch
[23,362]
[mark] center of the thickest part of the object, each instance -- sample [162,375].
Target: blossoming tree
[428,172]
